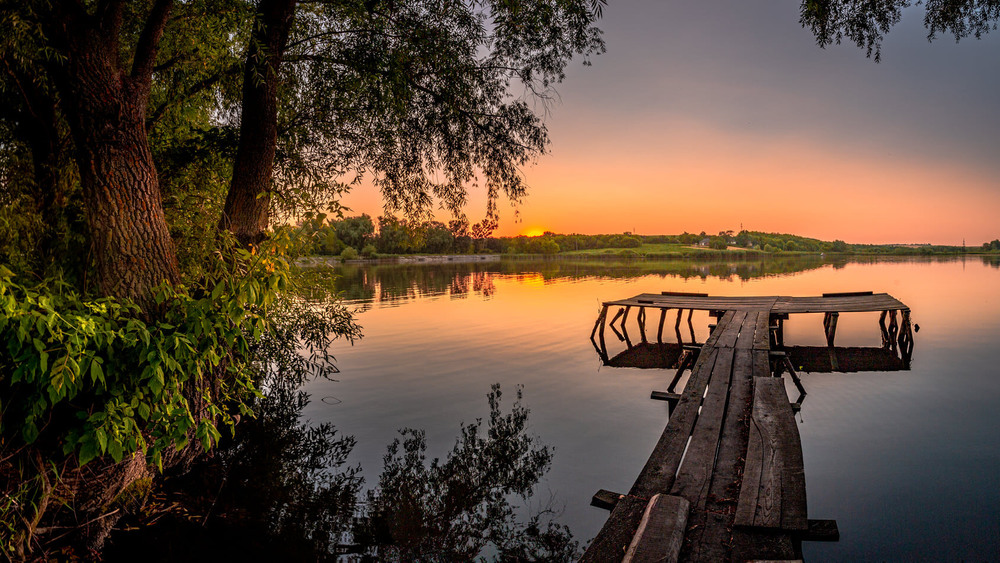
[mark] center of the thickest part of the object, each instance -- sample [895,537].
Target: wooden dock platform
[725,481]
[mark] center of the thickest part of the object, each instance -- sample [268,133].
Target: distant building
[704,242]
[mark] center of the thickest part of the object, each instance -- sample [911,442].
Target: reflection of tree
[393,283]
[280,490]
[390,283]
[480,283]
[453,510]
[403,282]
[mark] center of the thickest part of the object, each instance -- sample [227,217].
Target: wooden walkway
[725,481]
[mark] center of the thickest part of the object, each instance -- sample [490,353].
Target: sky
[713,116]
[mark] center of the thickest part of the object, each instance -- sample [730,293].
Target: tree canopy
[867,23]
[137,123]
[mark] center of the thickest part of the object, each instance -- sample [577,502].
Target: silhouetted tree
[866,23]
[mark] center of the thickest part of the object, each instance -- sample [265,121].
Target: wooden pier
[725,481]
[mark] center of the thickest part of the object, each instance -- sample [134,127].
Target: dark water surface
[907,462]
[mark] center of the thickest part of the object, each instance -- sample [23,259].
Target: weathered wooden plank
[762,332]
[660,532]
[713,338]
[773,490]
[746,508]
[761,364]
[730,332]
[758,545]
[683,294]
[605,499]
[695,473]
[857,304]
[709,531]
[616,535]
[747,329]
[658,474]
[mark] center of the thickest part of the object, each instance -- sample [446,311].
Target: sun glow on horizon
[534,232]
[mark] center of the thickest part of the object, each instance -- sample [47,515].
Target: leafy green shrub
[349,253]
[369,251]
[98,377]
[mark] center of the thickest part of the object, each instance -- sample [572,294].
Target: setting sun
[534,232]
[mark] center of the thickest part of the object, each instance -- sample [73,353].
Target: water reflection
[281,490]
[388,284]
[874,442]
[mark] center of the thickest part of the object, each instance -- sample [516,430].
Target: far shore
[611,254]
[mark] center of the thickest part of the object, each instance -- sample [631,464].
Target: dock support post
[677,328]
[782,362]
[904,325]
[628,341]
[615,318]
[691,326]
[893,328]
[830,327]
[602,350]
[906,339]
[600,321]
[641,319]
[615,329]
[659,332]
[883,329]
[687,361]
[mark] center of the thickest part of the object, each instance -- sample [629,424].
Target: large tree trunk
[247,208]
[133,250]
[106,110]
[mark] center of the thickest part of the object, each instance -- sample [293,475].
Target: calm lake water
[907,462]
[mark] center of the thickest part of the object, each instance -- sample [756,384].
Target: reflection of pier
[726,479]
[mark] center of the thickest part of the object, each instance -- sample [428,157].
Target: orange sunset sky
[709,116]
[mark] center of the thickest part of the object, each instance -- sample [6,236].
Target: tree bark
[106,110]
[247,210]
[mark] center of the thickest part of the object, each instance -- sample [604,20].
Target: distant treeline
[361,236]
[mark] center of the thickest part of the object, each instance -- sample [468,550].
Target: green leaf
[115,449]
[29,432]
[88,451]
[102,439]
[39,345]
[96,371]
